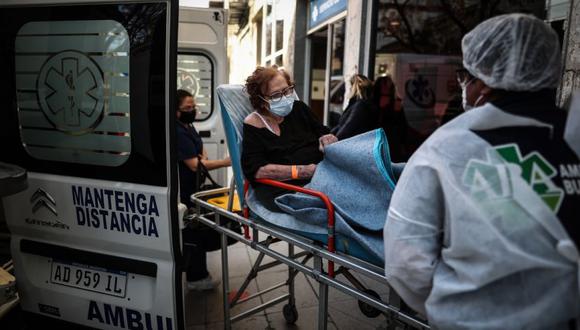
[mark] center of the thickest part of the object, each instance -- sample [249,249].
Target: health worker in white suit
[484,225]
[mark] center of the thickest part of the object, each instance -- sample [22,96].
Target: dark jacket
[359,117]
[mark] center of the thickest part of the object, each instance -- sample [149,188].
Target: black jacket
[359,117]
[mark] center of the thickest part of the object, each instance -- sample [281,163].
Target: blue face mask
[283,107]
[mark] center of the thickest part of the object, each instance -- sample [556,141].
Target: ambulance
[87,107]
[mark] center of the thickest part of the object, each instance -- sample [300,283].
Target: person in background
[282,140]
[482,230]
[190,153]
[391,117]
[454,106]
[360,114]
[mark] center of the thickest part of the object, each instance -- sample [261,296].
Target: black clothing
[296,145]
[189,145]
[548,163]
[391,117]
[194,250]
[359,117]
[454,109]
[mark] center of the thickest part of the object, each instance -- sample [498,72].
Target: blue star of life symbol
[71,92]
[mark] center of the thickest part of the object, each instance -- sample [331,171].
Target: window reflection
[418,49]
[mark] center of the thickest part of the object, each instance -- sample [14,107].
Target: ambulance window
[72,91]
[84,90]
[195,75]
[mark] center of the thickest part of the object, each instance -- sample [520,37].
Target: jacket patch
[487,180]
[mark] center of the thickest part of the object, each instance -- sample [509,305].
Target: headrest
[236,103]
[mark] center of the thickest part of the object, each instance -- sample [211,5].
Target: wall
[357,41]
[243,44]
[571,51]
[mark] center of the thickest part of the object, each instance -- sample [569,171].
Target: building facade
[411,49]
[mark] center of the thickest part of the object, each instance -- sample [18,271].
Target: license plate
[89,278]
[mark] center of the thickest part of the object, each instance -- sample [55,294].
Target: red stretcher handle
[322,196]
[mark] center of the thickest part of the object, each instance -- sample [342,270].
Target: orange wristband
[294,172]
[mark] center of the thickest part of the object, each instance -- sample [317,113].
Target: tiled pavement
[205,308]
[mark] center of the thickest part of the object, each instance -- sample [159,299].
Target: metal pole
[225,275]
[322,296]
[291,300]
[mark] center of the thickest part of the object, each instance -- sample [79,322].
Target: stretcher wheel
[290,313]
[366,309]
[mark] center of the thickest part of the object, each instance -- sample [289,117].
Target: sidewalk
[205,308]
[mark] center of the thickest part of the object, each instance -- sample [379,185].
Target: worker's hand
[227,161]
[306,171]
[326,140]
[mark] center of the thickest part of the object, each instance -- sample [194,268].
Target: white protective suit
[470,244]
[484,223]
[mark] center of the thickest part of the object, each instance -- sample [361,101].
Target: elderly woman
[360,115]
[482,231]
[282,138]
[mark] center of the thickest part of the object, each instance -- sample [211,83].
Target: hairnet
[514,52]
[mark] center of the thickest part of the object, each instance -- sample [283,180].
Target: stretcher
[330,266]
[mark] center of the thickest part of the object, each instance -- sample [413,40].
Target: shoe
[207,283]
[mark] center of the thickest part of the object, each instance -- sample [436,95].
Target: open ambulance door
[87,107]
[201,67]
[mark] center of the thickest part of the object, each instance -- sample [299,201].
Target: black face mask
[187,117]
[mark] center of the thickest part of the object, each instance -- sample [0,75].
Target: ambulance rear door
[87,107]
[201,67]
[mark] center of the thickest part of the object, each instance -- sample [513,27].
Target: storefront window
[326,36]
[268,49]
[258,38]
[336,100]
[338,48]
[279,34]
[281,12]
[418,50]
[318,44]
[276,13]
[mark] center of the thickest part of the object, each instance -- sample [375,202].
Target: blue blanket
[356,174]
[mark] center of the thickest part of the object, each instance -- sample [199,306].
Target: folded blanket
[356,175]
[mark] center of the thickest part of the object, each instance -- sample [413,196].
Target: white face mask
[283,107]
[466,106]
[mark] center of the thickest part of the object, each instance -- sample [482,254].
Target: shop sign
[323,10]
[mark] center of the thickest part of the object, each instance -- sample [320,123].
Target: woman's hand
[306,171]
[227,161]
[326,140]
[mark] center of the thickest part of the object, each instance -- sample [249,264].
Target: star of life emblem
[70,92]
[188,82]
[73,91]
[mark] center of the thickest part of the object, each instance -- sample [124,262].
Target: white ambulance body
[87,107]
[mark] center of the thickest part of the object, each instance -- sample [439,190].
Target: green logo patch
[487,180]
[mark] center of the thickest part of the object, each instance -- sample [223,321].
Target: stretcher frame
[319,253]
